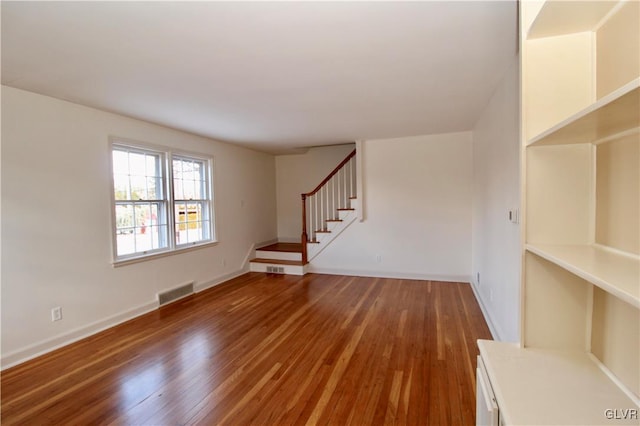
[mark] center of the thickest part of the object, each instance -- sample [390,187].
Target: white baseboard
[220,279]
[40,348]
[48,345]
[485,313]
[311,268]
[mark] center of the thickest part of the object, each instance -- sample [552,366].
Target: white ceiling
[269,75]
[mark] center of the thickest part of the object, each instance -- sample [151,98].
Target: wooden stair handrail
[304,238]
[336,170]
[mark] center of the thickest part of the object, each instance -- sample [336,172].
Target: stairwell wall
[418,204]
[300,173]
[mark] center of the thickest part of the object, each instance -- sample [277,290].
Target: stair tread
[277,261]
[323,231]
[283,247]
[334,220]
[345,209]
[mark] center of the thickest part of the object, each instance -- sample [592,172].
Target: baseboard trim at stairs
[288,267]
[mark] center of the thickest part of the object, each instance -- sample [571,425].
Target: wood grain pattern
[283,247]
[269,350]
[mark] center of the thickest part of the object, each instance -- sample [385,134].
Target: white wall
[418,212]
[56,232]
[299,173]
[496,189]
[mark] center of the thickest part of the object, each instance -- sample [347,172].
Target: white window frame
[167,156]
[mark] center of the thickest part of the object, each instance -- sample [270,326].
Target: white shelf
[612,114]
[615,273]
[543,387]
[567,17]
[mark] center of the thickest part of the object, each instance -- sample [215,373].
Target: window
[162,201]
[191,202]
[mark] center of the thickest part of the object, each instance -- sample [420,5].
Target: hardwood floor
[269,350]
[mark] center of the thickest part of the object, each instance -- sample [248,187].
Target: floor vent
[175,294]
[275,269]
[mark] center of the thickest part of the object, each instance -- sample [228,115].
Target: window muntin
[152,216]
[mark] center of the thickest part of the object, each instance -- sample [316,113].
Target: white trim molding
[495,332]
[35,350]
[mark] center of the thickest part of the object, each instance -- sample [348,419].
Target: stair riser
[278,255]
[344,214]
[288,269]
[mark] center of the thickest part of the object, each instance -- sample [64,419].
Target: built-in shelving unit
[614,272]
[579,353]
[610,116]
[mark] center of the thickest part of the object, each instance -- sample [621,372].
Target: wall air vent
[175,294]
[275,269]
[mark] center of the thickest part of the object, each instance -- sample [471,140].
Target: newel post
[304,238]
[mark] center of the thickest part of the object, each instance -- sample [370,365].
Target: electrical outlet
[56,313]
[478,278]
[224,262]
[491,295]
[378,258]
[513,216]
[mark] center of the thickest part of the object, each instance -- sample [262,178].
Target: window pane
[124,229]
[194,212]
[187,170]
[178,194]
[192,224]
[153,234]
[200,191]
[197,171]
[180,223]
[189,190]
[120,162]
[153,166]
[125,243]
[138,187]
[124,216]
[143,214]
[157,214]
[137,164]
[154,188]
[121,187]
[143,239]
[177,169]
[206,228]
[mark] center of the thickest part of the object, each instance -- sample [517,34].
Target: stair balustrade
[322,204]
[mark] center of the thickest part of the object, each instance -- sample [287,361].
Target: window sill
[146,257]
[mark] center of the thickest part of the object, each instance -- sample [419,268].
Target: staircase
[279,258]
[326,211]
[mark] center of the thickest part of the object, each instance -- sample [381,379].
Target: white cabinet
[487,413]
[578,361]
